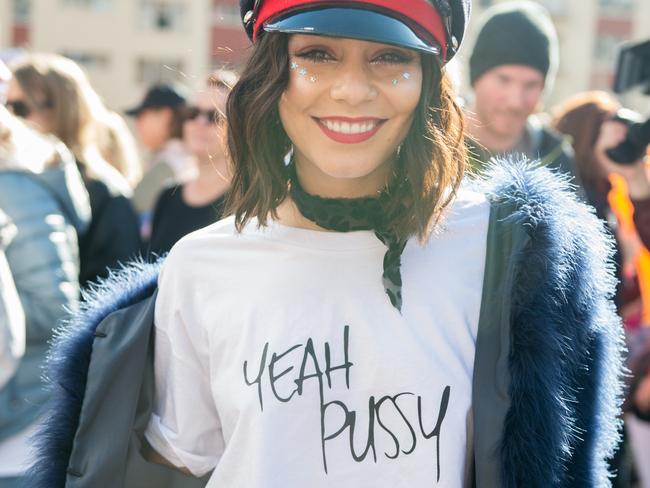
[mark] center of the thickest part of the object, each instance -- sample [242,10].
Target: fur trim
[566,339]
[67,368]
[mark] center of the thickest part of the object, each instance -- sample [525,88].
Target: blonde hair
[118,147]
[77,115]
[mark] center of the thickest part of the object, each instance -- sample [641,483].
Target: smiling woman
[332,120]
[335,86]
[363,318]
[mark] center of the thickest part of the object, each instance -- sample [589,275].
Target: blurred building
[590,34]
[230,45]
[125,45]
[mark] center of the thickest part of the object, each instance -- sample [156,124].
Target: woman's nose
[354,84]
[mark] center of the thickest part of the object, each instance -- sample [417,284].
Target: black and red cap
[431,26]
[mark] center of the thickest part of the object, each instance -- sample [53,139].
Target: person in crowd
[590,120]
[362,318]
[184,208]
[55,96]
[513,63]
[159,122]
[42,193]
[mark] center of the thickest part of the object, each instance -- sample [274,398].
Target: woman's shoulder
[468,208]
[469,199]
[214,239]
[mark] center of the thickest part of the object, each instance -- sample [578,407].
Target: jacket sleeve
[43,256]
[565,361]
[12,317]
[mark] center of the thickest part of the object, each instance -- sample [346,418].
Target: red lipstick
[349,130]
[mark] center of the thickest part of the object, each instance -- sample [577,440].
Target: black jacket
[113,237]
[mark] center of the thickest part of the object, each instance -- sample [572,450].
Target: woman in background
[54,94]
[184,208]
[591,120]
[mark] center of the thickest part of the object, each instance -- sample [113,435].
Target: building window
[615,3]
[616,7]
[162,16]
[89,61]
[226,15]
[89,4]
[151,71]
[556,8]
[21,10]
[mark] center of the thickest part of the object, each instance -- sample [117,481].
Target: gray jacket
[48,209]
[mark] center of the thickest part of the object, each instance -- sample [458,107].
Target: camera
[633,71]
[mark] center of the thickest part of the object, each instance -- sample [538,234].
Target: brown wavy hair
[432,158]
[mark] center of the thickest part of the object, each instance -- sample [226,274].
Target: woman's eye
[392,58]
[315,55]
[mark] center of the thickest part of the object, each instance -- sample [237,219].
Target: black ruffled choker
[350,214]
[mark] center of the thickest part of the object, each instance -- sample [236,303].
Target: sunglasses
[22,109]
[18,108]
[213,116]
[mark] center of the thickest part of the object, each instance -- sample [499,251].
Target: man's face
[505,96]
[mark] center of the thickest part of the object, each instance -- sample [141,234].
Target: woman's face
[347,107]
[203,131]
[21,106]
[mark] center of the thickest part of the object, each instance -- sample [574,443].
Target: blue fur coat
[558,392]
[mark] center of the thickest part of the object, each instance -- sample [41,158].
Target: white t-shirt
[280,361]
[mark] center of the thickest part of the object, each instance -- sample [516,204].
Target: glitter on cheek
[406,76]
[394,82]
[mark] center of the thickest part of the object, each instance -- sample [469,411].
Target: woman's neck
[211,182]
[316,182]
[289,215]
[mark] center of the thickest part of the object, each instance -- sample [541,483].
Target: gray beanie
[516,33]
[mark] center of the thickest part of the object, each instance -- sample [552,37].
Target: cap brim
[354,23]
[132,112]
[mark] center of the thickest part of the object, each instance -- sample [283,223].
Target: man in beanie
[514,61]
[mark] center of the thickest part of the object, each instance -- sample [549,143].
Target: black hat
[161,95]
[515,33]
[432,26]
